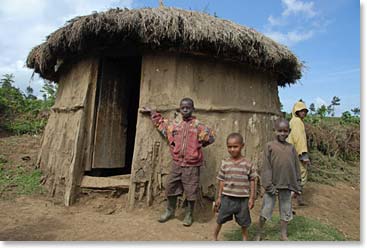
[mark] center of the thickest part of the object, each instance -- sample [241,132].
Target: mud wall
[228,98]
[68,132]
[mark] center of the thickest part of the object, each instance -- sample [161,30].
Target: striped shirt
[236,176]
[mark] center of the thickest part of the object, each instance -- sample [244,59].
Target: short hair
[280,120]
[187,99]
[237,136]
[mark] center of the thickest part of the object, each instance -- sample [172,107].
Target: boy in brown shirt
[280,176]
[236,191]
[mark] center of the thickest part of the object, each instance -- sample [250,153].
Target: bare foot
[283,238]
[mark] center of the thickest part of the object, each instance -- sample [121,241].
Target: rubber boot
[283,230]
[169,213]
[260,230]
[188,213]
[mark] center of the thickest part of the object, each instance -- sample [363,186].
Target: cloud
[297,22]
[22,76]
[85,7]
[26,23]
[273,21]
[298,7]
[319,101]
[291,37]
[13,9]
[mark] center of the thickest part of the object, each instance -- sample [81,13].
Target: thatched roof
[164,28]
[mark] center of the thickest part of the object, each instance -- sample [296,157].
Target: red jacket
[186,138]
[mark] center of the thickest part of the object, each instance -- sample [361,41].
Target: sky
[323,34]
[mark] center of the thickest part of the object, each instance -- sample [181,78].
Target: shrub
[21,113]
[347,118]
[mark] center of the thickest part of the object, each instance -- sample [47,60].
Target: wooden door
[111,118]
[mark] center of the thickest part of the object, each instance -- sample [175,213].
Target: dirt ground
[101,216]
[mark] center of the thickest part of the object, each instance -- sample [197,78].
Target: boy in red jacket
[186,139]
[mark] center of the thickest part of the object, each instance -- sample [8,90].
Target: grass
[19,180]
[299,229]
[21,125]
[328,170]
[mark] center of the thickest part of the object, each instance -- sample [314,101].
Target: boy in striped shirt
[236,190]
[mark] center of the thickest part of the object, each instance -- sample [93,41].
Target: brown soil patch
[102,216]
[337,206]
[20,150]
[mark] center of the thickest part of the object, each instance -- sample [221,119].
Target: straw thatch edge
[164,28]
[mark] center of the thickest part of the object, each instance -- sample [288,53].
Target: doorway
[116,111]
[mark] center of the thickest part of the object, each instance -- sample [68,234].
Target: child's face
[234,147]
[186,109]
[282,131]
[302,113]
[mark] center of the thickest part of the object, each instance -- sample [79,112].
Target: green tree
[321,111]
[49,90]
[346,115]
[331,108]
[11,98]
[335,101]
[312,108]
[29,92]
[347,118]
[19,112]
[356,111]
[7,81]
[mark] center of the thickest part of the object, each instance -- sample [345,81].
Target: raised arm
[161,123]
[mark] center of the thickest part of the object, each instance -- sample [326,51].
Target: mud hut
[111,63]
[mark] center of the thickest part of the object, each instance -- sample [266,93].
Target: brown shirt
[280,169]
[236,176]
